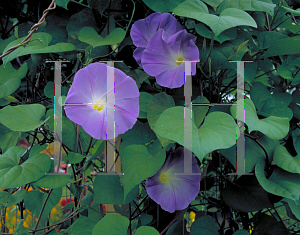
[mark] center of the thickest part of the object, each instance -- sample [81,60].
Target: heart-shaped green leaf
[288,46]
[112,224]
[162,6]
[281,182]
[35,200]
[108,190]
[274,127]
[83,225]
[52,181]
[74,157]
[284,160]
[90,36]
[156,106]
[8,200]
[146,230]
[24,117]
[218,130]
[8,138]
[38,44]
[204,225]
[14,175]
[138,164]
[229,18]
[10,79]
[249,5]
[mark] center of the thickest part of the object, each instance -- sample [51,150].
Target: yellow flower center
[99,106]
[163,177]
[179,60]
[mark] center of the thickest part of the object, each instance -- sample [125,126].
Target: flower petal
[180,41]
[143,30]
[160,57]
[126,118]
[172,78]
[168,200]
[137,54]
[95,125]
[91,80]
[179,190]
[89,86]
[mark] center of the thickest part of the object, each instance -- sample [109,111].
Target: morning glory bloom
[87,104]
[163,58]
[143,30]
[170,190]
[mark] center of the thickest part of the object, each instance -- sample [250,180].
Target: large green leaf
[200,108]
[138,164]
[112,225]
[274,127]
[284,160]
[246,195]
[20,229]
[38,44]
[35,200]
[90,36]
[8,200]
[268,225]
[259,95]
[52,181]
[249,5]
[140,134]
[218,130]
[146,230]
[8,138]
[10,79]
[268,38]
[162,6]
[268,104]
[296,139]
[14,175]
[288,46]
[234,49]
[204,225]
[63,3]
[294,12]
[253,152]
[156,106]
[281,182]
[228,34]
[229,18]
[170,125]
[83,225]
[74,157]
[295,208]
[108,190]
[144,99]
[22,117]
[213,3]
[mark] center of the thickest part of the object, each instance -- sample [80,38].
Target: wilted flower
[164,56]
[87,104]
[171,190]
[143,30]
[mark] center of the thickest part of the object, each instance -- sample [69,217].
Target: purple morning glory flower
[143,30]
[87,104]
[163,57]
[171,190]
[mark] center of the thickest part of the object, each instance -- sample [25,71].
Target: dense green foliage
[265,201]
